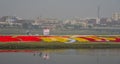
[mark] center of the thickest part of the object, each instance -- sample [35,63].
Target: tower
[98,11]
[98,15]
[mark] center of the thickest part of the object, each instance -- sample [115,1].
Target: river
[61,56]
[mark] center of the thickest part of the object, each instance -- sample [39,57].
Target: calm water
[69,56]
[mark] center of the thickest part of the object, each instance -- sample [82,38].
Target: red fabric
[8,39]
[28,38]
[117,40]
[2,51]
[38,38]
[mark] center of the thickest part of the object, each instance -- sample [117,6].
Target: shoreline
[91,45]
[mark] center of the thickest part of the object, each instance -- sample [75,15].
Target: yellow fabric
[46,39]
[109,38]
[62,39]
[81,39]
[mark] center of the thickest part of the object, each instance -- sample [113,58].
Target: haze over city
[61,9]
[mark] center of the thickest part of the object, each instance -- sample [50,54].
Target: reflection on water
[58,56]
[45,56]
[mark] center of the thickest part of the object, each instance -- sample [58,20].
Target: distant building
[9,20]
[76,23]
[92,21]
[46,22]
[103,21]
[97,20]
[73,22]
[116,16]
[13,21]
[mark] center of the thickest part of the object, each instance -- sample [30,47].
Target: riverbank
[95,45]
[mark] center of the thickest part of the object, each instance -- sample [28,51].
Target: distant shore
[92,45]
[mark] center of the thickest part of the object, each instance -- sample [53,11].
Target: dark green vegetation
[58,45]
[92,31]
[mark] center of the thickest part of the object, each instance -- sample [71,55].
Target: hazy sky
[58,8]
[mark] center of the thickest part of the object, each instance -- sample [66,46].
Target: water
[69,56]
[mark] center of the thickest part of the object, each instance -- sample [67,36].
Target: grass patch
[58,45]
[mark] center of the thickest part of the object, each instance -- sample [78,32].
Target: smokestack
[98,15]
[98,11]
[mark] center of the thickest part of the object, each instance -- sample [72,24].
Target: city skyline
[61,9]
